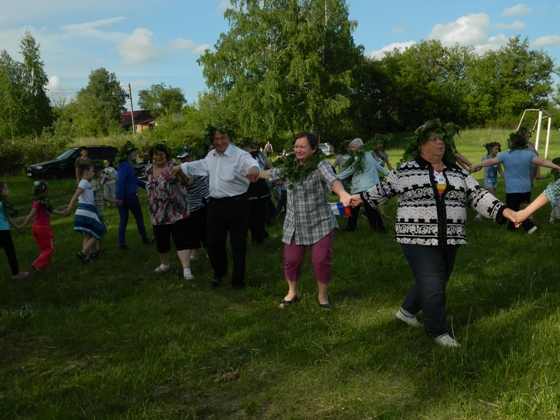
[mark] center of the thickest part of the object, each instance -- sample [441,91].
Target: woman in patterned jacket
[433,196]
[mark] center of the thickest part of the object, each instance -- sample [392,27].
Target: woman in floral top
[309,220]
[168,209]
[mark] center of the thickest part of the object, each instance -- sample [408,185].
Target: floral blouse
[167,202]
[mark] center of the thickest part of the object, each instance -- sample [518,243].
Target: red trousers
[44,240]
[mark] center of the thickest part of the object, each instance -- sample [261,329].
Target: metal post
[131,110]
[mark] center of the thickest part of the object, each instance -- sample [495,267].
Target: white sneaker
[551,221]
[478,218]
[446,341]
[162,268]
[193,258]
[412,321]
[187,274]
[532,230]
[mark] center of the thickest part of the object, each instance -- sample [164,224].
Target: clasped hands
[353,200]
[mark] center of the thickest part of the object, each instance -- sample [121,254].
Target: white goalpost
[537,125]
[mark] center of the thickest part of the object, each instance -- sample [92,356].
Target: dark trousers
[514,201]
[228,215]
[7,243]
[432,267]
[257,219]
[131,203]
[372,214]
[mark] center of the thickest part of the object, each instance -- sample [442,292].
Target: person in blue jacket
[126,195]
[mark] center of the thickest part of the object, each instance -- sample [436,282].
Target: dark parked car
[63,166]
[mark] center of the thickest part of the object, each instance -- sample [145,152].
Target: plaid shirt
[308,215]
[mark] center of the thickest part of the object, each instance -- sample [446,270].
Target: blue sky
[146,42]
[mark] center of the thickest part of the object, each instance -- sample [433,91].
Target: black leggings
[7,243]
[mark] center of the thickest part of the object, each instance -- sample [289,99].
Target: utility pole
[131,110]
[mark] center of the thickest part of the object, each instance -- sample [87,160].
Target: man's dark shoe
[238,286]
[148,241]
[216,281]
[123,247]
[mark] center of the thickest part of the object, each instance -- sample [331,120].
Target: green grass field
[115,340]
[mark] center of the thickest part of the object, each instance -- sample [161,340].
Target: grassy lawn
[113,339]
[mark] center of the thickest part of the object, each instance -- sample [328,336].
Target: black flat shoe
[325,305]
[216,281]
[284,303]
[82,257]
[148,241]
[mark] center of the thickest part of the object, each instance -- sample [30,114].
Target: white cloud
[544,41]
[467,30]
[515,25]
[54,83]
[91,30]
[224,4]
[492,43]
[519,10]
[398,30]
[401,46]
[138,48]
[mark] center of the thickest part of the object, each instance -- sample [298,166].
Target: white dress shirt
[226,172]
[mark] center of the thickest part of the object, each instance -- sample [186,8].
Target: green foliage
[161,100]
[99,106]
[25,108]
[284,65]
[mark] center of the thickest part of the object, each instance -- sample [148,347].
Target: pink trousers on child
[44,240]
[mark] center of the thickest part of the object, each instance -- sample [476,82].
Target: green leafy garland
[358,160]
[9,208]
[290,170]
[45,202]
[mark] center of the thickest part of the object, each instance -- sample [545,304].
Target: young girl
[42,232]
[98,198]
[86,219]
[7,213]
[491,172]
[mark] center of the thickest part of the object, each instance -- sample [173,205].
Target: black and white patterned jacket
[423,216]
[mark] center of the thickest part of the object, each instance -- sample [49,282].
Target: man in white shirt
[228,169]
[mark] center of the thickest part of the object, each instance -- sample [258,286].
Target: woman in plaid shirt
[309,221]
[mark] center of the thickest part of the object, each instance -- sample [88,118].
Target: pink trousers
[321,259]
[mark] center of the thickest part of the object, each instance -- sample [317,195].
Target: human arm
[339,190]
[264,174]
[27,220]
[546,163]
[463,161]
[536,204]
[13,223]
[488,162]
[72,203]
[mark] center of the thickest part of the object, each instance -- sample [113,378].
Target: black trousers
[228,215]
[514,201]
[7,243]
[374,218]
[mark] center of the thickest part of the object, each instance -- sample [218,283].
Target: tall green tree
[25,109]
[161,100]
[35,80]
[284,65]
[99,106]
[507,81]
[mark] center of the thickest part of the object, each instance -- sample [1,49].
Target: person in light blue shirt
[364,170]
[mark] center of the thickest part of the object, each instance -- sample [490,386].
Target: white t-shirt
[87,196]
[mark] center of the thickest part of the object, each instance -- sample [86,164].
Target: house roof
[142,117]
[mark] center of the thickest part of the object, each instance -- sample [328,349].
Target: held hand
[519,217]
[252,174]
[355,200]
[176,170]
[22,229]
[118,203]
[473,168]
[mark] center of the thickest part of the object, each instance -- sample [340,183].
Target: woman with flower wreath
[433,196]
[517,173]
[309,221]
[42,232]
[364,170]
